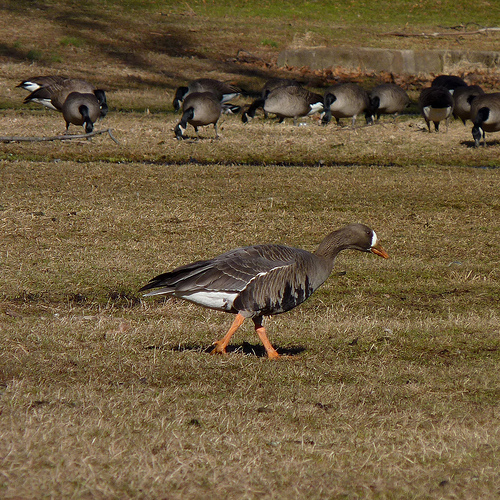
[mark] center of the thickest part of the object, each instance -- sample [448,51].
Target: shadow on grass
[472,144]
[244,348]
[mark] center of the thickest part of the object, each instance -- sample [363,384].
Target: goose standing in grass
[386,99]
[52,91]
[286,102]
[485,114]
[261,280]
[449,82]
[81,109]
[275,83]
[436,105]
[462,99]
[224,92]
[345,100]
[199,109]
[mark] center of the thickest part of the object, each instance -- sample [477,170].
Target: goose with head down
[81,109]
[223,91]
[345,100]
[485,114]
[52,91]
[261,280]
[436,105]
[288,101]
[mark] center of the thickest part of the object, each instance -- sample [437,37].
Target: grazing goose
[199,108]
[286,102]
[450,82]
[53,95]
[81,109]
[261,280]
[37,82]
[485,114]
[436,104]
[386,99]
[223,91]
[345,100]
[462,99]
[275,83]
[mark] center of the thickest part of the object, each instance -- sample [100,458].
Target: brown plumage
[289,101]
[485,114]
[449,82]
[462,99]
[386,99]
[436,105]
[261,280]
[52,91]
[36,82]
[81,109]
[345,100]
[199,109]
[222,90]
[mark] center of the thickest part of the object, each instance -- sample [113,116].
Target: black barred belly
[269,302]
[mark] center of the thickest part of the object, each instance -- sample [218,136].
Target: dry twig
[59,137]
[437,34]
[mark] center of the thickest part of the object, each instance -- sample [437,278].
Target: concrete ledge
[411,62]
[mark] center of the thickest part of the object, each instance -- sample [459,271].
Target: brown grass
[390,389]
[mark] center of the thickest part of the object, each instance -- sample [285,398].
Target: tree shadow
[168,37]
[472,144]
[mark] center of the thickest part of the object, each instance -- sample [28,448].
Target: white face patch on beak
[374,240]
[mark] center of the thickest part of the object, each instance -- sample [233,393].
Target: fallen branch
[60,137]
[429,35]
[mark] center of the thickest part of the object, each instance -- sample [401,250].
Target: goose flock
[204,100]
[448,96]
[264,280]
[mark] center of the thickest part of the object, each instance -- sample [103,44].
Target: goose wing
[231,271]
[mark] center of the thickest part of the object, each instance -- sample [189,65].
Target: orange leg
[261,332]
[220,345]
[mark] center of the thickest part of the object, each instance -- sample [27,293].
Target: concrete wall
[412,62]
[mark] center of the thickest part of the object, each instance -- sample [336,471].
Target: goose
[450,82]
[388,99]
[261,280]
[462,99]
[436,104]
[53,95]
[485,114]
[345,100]
[37,82]
[286,102]
[81,109]
[275,83]
[199,108]
[223,91]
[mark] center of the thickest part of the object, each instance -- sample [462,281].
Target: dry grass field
[390,387]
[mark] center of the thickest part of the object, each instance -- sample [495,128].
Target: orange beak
[378,250]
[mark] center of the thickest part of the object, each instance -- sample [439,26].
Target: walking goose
[345,100]
[261,280]
[199,108]
[386,99]
[436,104]
[54,90]
[485,114]
[81,109]
[286,102]
[223,91]
[462,99]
